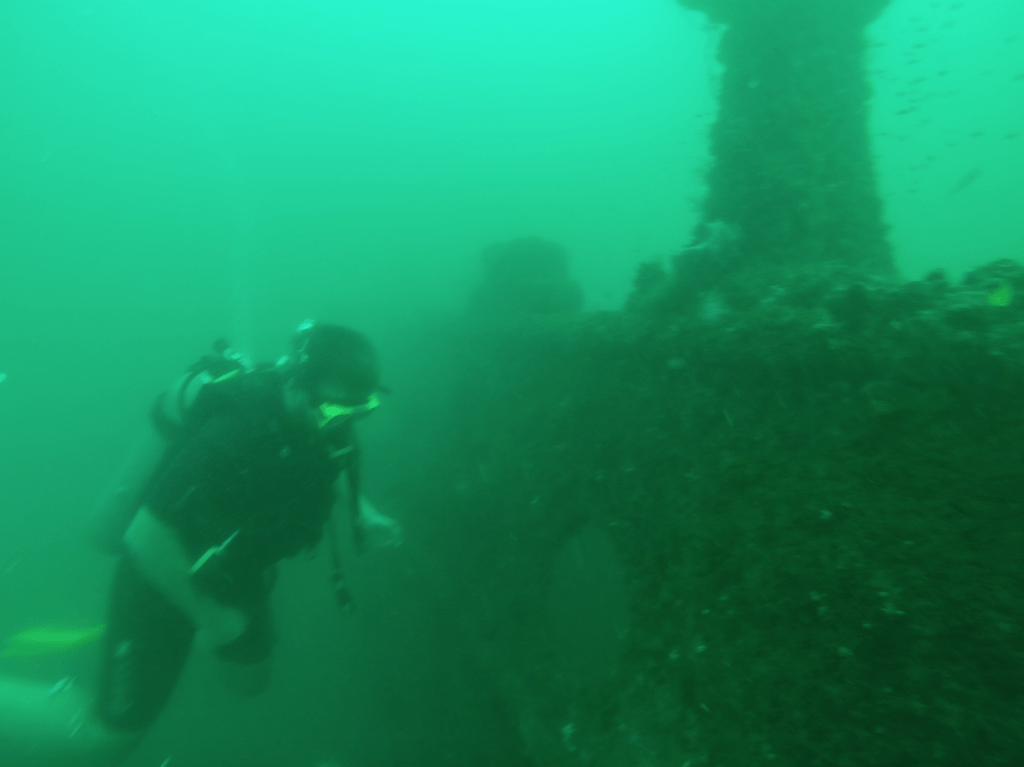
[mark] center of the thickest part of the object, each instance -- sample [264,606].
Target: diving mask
[330,411]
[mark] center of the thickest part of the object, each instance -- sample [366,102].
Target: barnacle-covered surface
[817,508]
[793,484]
[792,181]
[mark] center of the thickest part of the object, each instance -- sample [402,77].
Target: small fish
[967,179]
[1002,295]
[63,685]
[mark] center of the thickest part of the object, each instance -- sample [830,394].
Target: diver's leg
[244,665]
[41,726]
[145,647]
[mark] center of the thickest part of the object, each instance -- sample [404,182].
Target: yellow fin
[49,639]
[1002,295]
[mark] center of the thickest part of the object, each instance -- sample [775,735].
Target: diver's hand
[376,531]
[219,625]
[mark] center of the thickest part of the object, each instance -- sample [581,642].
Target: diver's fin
[49,639]
[43,726]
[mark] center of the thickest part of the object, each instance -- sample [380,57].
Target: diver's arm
[156,550]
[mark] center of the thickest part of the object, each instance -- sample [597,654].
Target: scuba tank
[117,505]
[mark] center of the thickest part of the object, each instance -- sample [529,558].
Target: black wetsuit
[243,468]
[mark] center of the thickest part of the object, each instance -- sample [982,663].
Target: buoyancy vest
[217,382]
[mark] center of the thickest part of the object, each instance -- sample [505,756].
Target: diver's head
[335,371]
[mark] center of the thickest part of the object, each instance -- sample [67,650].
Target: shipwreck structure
[772,513]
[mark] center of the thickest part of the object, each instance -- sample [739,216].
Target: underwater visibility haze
[431,173]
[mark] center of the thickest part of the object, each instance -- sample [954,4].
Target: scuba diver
[243,469]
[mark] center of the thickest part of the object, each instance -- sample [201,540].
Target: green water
[175,172]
